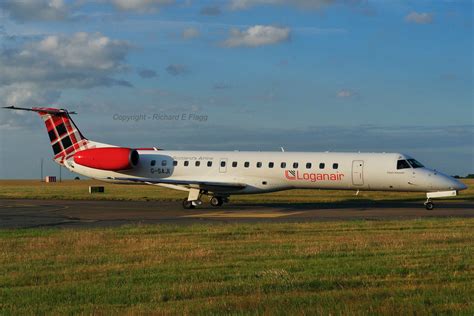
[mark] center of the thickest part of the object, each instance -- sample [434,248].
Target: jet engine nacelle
[107,158]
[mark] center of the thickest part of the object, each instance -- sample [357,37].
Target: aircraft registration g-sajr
[220,174]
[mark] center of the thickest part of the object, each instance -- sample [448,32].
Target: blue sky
[307,75]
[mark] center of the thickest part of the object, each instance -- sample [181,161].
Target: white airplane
[220,174]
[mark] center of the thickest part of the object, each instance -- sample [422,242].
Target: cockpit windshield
[415,164]
[403,164]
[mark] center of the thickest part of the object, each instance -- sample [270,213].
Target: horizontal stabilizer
[51,111]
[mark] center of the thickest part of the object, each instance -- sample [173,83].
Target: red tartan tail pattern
[65,138]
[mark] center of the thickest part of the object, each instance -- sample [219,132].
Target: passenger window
[223,163]
[234,164]
[403,164]
[186,163]
[163,163]
[270,165]
[295,165]
[209,163]
[259,165]
[247,164]
[175,163]
[153,162]
[335,165]
[308,165]
[197,163]
[322,165]
[283,165]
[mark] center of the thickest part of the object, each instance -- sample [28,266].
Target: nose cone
[455,184]
[458,185]
[445,182]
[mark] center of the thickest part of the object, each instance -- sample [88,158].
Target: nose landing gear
[438,194]
[429,204]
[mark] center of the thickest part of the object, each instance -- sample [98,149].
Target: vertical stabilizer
[66,139]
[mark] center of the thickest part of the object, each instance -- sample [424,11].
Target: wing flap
[206,185]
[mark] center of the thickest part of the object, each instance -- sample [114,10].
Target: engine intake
[108,158]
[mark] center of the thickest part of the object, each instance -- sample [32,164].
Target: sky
[319,75]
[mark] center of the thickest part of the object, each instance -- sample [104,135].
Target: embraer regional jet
[220,174]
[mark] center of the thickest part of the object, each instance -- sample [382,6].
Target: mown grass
[358,267]
[73,190]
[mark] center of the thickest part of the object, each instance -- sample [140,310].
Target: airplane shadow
[356,205]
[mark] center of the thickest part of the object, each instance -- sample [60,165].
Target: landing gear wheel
[216,201]
[188,204]
[429,206]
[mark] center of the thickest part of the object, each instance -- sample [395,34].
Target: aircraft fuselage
[274,171]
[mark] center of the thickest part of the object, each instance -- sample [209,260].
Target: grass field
[395,267]
[34,189]
[354,267]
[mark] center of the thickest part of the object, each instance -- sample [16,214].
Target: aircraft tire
[216,201]
[188,204]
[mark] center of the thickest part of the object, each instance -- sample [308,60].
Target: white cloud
[35,73]
[419,18]
[346,94]
[140,5]
[84,50]
[190,33]
[35,10]
[313,4]
[258,35]
[79,61]
[28,95]
[51,10]
[364,7]
[24,95]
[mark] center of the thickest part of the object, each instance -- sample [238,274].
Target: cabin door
[358,172]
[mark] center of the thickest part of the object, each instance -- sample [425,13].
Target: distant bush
[469,176]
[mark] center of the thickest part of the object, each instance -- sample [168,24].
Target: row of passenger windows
[235,164]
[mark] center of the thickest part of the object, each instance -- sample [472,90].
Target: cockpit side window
[403,164]
[415,164]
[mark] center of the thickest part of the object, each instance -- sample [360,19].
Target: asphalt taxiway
[78,213]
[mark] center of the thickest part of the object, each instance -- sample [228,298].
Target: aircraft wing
[192,184]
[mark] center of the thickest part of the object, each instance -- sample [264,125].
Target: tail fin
[65,137]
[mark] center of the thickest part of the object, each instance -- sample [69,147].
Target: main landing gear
[189,204]
[194,199]
[215,201]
